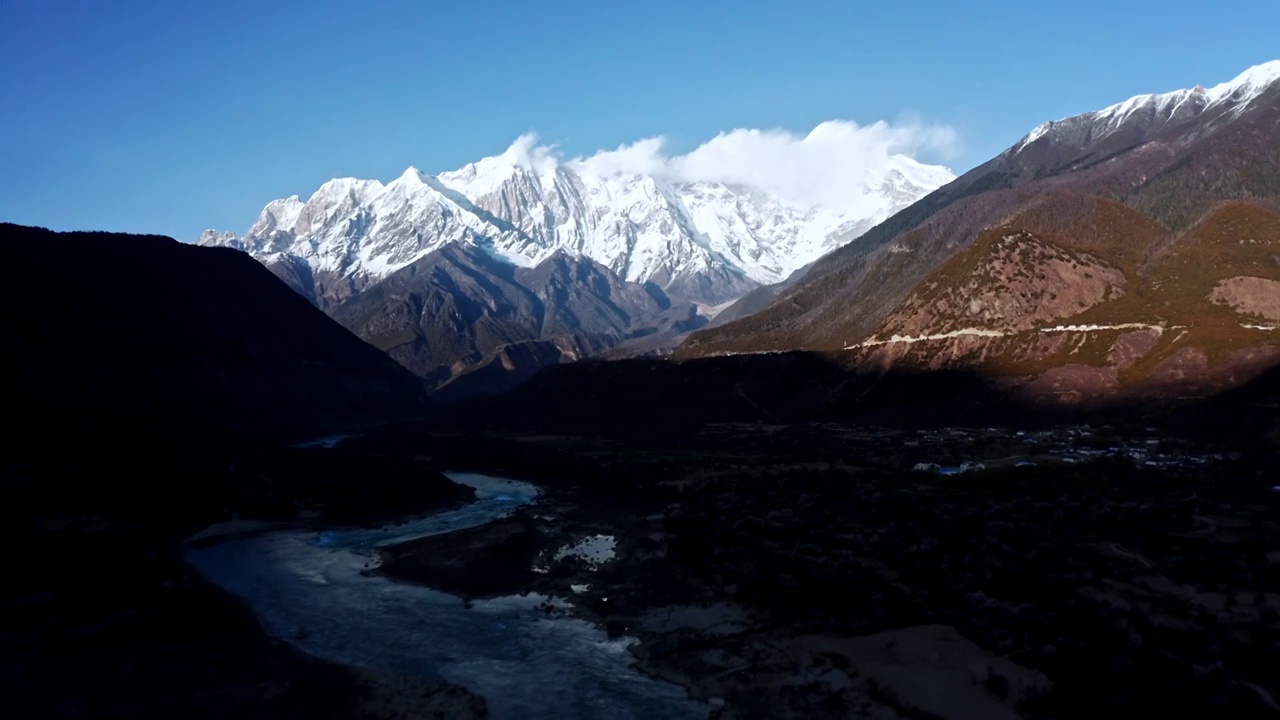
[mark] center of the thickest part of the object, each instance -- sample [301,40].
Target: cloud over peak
[830,164]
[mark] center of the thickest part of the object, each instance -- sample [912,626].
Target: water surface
[307,588]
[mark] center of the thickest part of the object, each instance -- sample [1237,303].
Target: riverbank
[148,639]
[101,616]
[771,585]
[489,561]
[735,658]
[318,591]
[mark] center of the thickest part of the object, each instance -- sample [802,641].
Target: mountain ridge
[1090,211]
[1173,173]
[705,241]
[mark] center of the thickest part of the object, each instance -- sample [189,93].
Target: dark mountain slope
[510,365]
[148,385]
[652,398]
[297,275]
[147,326]
[455,309]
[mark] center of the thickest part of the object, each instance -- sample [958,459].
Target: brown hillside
[1106,228]
[1235,240]
[1118,195]
[1208,295]
[1007,281]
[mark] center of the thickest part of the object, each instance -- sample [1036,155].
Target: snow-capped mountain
[1045,265]
[705,241]
[1156,112]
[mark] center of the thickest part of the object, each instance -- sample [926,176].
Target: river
[308,589]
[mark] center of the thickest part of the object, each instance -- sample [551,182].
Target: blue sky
[172,117]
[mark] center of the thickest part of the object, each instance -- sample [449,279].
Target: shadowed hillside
[458,310]
[204,337]
[150,384]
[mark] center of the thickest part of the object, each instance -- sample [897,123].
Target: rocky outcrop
[1254,296]
[1012,282]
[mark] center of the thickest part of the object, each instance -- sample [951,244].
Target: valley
[779,425]
[772,570]
[735,547]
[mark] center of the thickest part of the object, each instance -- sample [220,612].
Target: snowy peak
[412,177]
[1156,110]
[1239,91]
[412,183]
[218,237]
[279,216]
[1246,86]
[1036,133]
[338,188]
[708,241]
[919,174]
[523,158]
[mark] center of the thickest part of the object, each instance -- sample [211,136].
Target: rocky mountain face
[148,327]
[458,309]
[1129,251]
[702,241]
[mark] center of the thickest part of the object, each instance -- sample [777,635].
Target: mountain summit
[707,242]
[1123,124]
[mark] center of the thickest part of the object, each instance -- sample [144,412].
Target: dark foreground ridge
[651,397]
[151,384]
[101,617]
[207,337]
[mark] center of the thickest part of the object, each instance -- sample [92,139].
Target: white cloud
[645,157]
[830,164]
[528,153]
